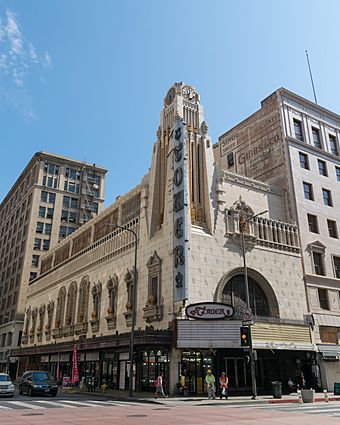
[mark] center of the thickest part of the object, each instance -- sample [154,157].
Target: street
[87,409]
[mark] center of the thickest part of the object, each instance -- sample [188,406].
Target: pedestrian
[210,383]
[224,386]
[301,382]
[159,385]
[291,385]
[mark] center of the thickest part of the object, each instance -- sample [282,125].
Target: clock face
[170,96]
[188,92]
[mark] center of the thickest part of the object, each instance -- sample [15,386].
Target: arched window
[234,293]
[59,318]
[71,304]
[83,300]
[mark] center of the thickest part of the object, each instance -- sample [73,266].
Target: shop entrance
[193,369]
[238,373]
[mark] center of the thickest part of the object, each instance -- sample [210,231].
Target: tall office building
[52,197]
[294,144]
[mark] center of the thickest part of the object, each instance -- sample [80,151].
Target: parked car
[37,382]
[6,385]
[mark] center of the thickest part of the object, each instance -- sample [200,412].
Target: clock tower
[183,101]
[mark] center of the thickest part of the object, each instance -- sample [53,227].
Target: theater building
[186,213]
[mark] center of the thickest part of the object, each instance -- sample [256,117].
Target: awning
[331,352]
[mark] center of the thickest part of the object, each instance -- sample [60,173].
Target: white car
[6,385]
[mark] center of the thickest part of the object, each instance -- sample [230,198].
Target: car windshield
[4,378]
[40,376]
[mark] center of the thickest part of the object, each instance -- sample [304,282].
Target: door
[238,373]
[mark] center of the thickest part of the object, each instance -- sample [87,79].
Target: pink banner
[75,372]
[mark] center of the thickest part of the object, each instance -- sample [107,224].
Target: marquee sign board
[180,211]
[209,311]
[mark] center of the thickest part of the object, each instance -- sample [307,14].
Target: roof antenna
[311,76]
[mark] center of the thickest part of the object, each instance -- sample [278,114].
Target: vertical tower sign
[180,205]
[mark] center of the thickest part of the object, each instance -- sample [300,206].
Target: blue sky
[86,79]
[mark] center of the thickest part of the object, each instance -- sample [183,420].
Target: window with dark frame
[308,191]
[337,172]
[322,168]
[327,197]
[313,223]
[35,260]
[333,145]
[318,264]
[332,229]
[336,262]
[304,163]
[298,130]
[316,138]
[323,298]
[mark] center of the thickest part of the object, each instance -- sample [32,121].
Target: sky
[86,79]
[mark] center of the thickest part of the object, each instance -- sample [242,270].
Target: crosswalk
[62,403]
[328,409]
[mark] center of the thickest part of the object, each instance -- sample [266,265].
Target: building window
[35,260]
[46,244]
[154,291]
[66,201]
[59,318]
[332,229]
[318,264]
[48,228]
[327,197]
[74,203]
[308,191]
[83,301]
[336,261]
[40,227]
[62,231]
[71,304]
[234,293]
[51,198]
[44,196]
[323,298]
[298,130]
[333,144]
[313,223]
[316,137]
[50,212]
[337,172]
[42,212]
[33,275]
[322,168]
[304,163]
[37,244]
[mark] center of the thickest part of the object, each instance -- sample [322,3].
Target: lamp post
[133,307]
[242,225]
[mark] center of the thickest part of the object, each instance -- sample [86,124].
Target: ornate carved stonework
[96,294]
[112,288]
[81,328]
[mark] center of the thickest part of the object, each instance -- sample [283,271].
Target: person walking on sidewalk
[223,386]
[210,383]
[159,385]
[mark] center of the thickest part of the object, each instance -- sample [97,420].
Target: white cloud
[18,56]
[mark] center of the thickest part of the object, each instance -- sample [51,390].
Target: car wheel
[30,392]
[20,389]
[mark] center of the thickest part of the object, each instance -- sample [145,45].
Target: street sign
[247,322]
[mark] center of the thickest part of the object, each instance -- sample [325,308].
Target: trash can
[277,389]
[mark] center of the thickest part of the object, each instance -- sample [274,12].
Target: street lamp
[243,225]
[133,307]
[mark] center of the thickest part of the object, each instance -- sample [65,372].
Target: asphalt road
[79,409]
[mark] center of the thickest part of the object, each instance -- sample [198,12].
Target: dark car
[38,382]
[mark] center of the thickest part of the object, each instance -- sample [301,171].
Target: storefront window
[154,362]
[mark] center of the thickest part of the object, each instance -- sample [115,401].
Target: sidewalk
[147,397]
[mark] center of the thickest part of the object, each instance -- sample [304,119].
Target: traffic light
[245,336]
